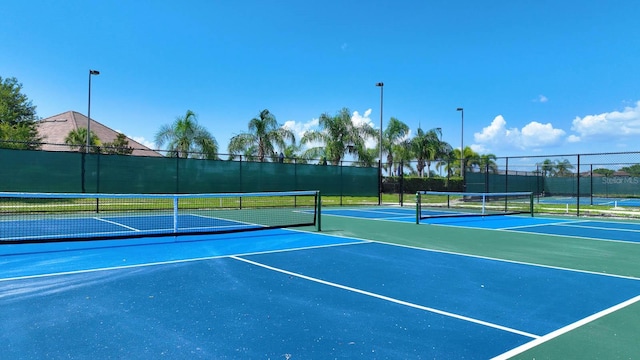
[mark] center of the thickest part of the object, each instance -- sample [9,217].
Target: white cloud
[299,128]
[541,98]
[143,141]
[359,120]
[615,123]
[573,139]
[532,136]
[535,134]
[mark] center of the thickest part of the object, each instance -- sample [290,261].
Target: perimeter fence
[577,184]
[80,172]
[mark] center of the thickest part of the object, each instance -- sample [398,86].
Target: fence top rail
[34,195]
[462,193]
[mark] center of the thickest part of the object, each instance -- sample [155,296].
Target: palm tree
[563,168]
[548,168]
[264,132]
[471,160]
[404,155]
[292,154]
[427,147]
[396,130]
[186,137]
[77,138]
[487,163]
[340,136]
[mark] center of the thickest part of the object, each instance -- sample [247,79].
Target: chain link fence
[97,172]
[604,184]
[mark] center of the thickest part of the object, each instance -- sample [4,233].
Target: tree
[264,133]
[471,160]
[77,139]
[340,136]
[185,137]
[17,117]
[563,168]
[119,146]
[488,163]
[403,156]
[603,172]
[548,168]
[428,147]
[292,154]
[394,133]
[633,170]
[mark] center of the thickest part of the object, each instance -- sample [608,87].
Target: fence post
[380,182]
[82,171]
[341,182]
[401,175]
[591,183]
[578,188]
[506,175]
[178,172]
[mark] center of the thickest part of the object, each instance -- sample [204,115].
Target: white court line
[559,223]
[381,212]
[168,262]
[390,299]
[598,228]
[117,223]
[586,237]
[222,219]
[564,330]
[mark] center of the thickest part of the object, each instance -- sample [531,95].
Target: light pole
[462,147]
[381,85]
[91,72]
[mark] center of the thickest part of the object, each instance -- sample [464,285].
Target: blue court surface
[97,226]
[283,294]
[591,229]
[382,213]
[573,227]
[587,200]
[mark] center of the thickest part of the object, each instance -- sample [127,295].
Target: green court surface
[613,336]
[373,281]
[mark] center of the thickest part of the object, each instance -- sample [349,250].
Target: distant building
[55,129]
[621,173]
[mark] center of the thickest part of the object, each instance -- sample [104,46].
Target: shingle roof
[55,129]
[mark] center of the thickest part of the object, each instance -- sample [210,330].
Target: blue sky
[534,77]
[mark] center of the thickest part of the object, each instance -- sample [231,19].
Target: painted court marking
[554,334]
[117,224]
[390,299]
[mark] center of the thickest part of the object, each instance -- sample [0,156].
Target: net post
[418,207]
[318,211]
[175,214]
[531,204]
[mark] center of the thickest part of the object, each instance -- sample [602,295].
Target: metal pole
[91,72]
[381,85]
[462,148]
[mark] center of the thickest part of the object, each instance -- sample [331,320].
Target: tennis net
[431,204]
[49,217]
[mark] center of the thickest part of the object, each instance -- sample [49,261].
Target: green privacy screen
[69,172]
[612,186]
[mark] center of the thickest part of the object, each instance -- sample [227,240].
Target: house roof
[55,129]
[621,173]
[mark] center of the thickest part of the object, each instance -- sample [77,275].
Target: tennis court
[371,284]
[590,200]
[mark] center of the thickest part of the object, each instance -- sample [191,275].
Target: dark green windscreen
[71,172]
